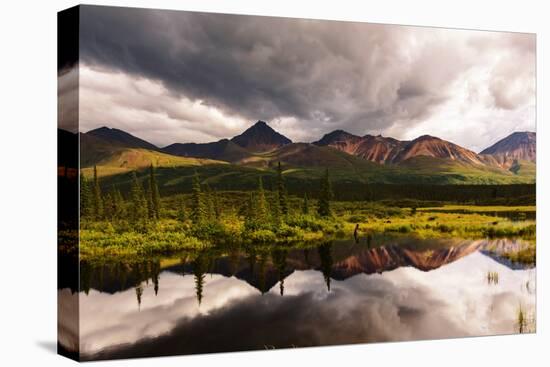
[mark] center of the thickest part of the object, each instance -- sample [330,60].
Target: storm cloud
[305,77]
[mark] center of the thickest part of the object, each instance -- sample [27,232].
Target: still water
[340,292]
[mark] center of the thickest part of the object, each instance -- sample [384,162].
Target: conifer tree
[275,210]
[85,197]
[182,215]
[209,203]
[325,195]
[138,201]
[108,206]
[305,205]
[281,189]
[96,198]
[251,220]
[149,202]
[217,205]
[261,205]
[154,194]
[197,202]
[118,204]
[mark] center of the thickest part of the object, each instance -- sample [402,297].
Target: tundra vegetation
[139,221]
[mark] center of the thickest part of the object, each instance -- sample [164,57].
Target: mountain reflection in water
[338,293]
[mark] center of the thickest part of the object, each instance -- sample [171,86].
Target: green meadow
[140,222]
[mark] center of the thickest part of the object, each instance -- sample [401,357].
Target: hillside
[430,146]
[119,137]
[380,149]
[129,159]
[377,149]
[224,149]
[439,170]
[516,146]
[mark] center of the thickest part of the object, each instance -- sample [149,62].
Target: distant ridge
[519,145]
[120,137]
[223,150]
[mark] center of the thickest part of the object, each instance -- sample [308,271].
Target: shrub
[358,218]
[443,228]
[261,236]
[405,228]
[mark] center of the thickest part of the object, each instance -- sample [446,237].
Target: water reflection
[336,293]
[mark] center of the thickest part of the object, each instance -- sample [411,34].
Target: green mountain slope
[445,171]
[128,159]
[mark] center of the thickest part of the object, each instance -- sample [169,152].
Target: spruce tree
[149,201]
[261,205]
[217,205]
[197,202]
[281,189]
[305,205]
[138,201]
[325,195]
[182,215]
[154,193]
[209,203]
[275,210]
[251,220]
[85,197]
[108,206]
[96,198]
[118,204]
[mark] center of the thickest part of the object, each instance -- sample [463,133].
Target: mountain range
[382,159]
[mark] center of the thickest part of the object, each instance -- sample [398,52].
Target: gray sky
[170,76]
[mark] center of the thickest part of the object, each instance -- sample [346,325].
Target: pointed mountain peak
[518,145]
[102,129]
[260,137]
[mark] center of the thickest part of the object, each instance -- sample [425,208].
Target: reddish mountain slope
[516,146]
[431,146]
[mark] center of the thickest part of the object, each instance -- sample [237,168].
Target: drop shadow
[48,345]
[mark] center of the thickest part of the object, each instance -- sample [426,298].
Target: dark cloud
[67,95]
[274,322]
[324,74]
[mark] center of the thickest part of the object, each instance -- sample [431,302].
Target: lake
[340,292]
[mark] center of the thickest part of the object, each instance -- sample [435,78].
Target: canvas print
[234,183]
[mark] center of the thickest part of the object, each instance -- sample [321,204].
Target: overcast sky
[170,76]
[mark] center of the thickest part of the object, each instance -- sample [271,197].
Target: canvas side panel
[67,184]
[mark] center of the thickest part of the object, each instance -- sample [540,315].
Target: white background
[28,182]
